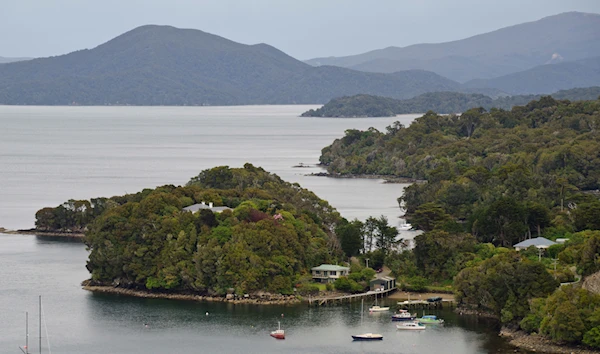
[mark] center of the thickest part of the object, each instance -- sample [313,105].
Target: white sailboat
[25,349]
[377,308]
[365,336]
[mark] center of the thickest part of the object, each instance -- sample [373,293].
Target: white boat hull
[378,309]
[411,327]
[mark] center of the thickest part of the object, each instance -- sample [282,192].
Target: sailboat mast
[26,332]
[40,324]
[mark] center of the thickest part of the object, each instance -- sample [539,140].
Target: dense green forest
[273,234]
[440,102]
[492,179]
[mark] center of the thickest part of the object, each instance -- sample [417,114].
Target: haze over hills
[546,78]
[564,37]
[163,65]
[4,60]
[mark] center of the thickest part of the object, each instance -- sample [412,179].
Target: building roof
[220,209]
[330,267]
[383,279]
[196,207]
[539,242]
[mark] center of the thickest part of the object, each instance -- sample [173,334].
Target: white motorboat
[404,315]
[411,326]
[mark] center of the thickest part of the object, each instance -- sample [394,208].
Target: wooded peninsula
[440,102]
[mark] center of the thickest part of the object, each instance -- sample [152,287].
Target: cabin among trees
[328,273]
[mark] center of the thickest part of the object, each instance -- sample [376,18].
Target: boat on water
[404,315]
[411,326]
[430,319]
[365,336]
[279,333]
[377,308]
[405,227]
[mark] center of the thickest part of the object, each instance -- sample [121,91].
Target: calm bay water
[51,154]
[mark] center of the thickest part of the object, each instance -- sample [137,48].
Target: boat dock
[327,300]
[424,304]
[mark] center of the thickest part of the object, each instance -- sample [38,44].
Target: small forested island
[440,102]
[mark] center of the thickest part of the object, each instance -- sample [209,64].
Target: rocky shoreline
[537,343]
[259,299]
[77,235]
[386,178]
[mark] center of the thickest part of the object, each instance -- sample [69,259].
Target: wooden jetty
[327,300]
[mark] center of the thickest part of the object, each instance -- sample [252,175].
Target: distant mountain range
[546,78]
[4,60]
[565,37]
[162,65]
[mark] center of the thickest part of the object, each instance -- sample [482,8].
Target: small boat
[367,336]
[411,326]
[377,308]
[405,227]
[403,315]
[430,319]
[279,333]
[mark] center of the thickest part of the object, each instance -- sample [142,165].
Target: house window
[325,273]
[332,273]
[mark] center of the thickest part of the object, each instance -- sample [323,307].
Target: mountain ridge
[572,35]
[164,65]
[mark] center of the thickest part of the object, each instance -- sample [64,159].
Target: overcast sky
[302,28]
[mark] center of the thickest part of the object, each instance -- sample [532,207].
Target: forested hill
[273,234]
[162,65]
[440,102]
[541,156]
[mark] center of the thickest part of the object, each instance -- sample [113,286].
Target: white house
[196,207]
[538,242]
[328,273]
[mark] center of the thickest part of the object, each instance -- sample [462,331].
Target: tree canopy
[274,233]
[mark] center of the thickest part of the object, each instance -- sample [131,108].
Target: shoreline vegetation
[385,178]
[259,299]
